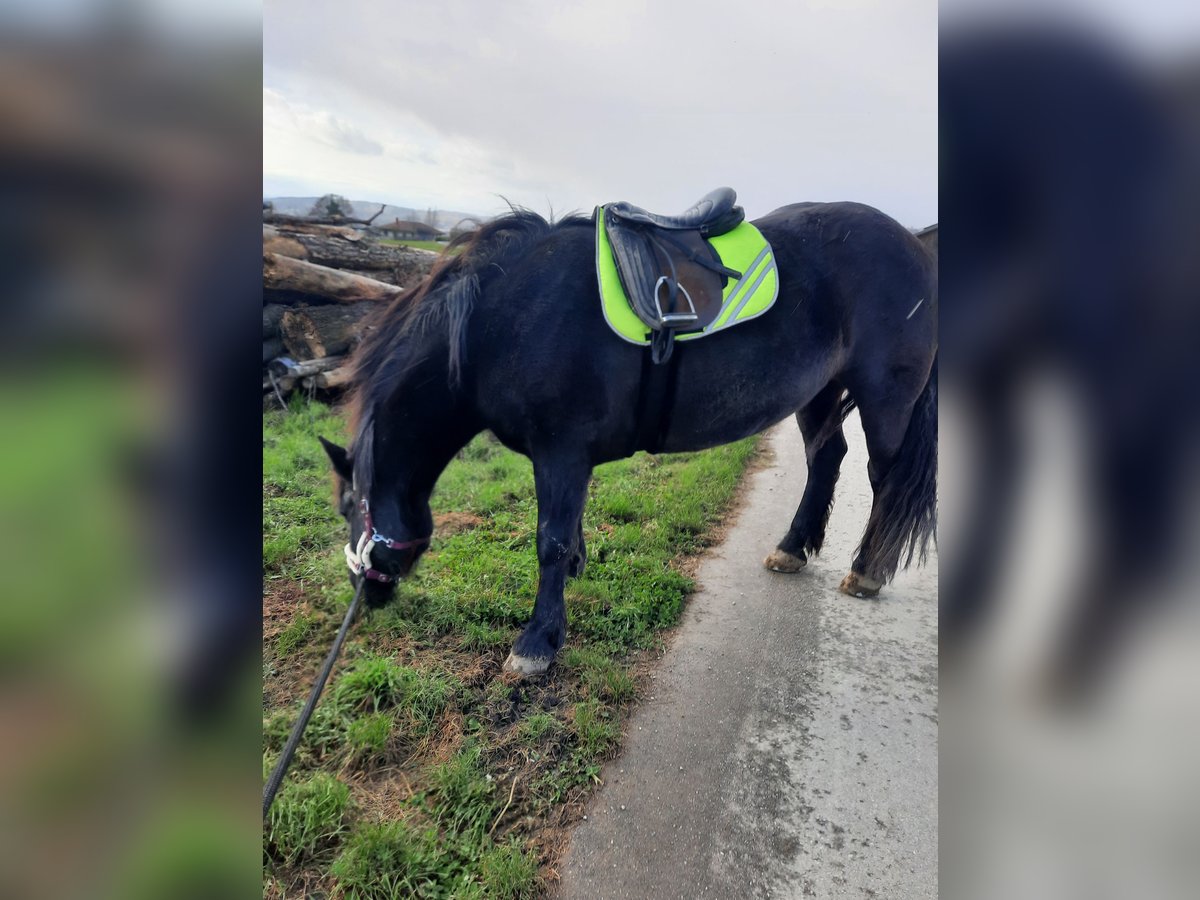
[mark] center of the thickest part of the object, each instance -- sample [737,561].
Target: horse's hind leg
[824,448]
[900,425]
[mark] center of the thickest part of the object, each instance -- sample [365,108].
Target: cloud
[657,103]
[333,131]
[322,125]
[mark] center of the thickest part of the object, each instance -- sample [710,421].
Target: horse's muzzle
[378,594]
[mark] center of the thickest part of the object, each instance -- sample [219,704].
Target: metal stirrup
[673,319]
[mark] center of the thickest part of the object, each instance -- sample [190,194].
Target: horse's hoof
[859,585]
[782,561]
[526,665]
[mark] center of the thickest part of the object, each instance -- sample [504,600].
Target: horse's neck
[410,463]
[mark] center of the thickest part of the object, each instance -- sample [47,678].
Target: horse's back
[820,228]
[860,259]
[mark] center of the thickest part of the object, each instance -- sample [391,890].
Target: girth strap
[656,397]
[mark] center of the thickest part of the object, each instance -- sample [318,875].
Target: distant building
[410,231]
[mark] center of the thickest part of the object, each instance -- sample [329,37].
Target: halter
[359,559]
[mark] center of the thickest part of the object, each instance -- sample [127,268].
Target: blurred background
[1069,625]
[130,230]
[129,486]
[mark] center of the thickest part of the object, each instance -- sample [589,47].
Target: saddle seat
[714,213]
[673,277]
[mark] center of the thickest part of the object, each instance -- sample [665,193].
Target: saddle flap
[672,280]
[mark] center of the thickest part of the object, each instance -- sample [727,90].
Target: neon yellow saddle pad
[742,249]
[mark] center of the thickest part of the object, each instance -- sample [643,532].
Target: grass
[307,817]
[593,727]
[465,801]
[508,871]
[294,634]
[537,726]
[389,860]
[425,771]
[436,246]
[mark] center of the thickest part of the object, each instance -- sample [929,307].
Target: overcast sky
[561,105]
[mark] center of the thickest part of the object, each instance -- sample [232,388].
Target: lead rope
[289,749]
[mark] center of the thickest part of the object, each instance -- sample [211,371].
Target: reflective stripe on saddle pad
[742,249]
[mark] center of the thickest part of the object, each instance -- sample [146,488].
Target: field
[426,771]
[436,246]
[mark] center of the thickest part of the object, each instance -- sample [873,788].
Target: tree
[431,217]
[332,205]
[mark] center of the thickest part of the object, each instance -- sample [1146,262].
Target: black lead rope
[293,742]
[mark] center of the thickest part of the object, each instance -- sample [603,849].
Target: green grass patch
[435,246]
[509,872]
[418,702]
[368,735]
[594,728]
[390,861]
[538,726]
[307,818]
[465,800]
[376,682]
[371,702]
[602,677]
[295,635]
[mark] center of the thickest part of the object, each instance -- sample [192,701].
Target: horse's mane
[446,297]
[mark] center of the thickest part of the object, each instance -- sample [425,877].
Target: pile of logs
[321,281]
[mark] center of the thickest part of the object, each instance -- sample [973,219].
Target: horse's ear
[342,464]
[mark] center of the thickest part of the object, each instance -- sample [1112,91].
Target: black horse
[509,336]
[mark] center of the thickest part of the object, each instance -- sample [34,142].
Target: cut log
[283,245]
[304,226]
[319,331]
[345,248]
[295,276]
[272,313]
[275,392]
[334,379]
[289,368]
[272,347]
[337,251]
[384,275]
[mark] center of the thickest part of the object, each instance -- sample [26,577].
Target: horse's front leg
[561,491]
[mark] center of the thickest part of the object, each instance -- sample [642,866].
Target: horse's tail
[912,481]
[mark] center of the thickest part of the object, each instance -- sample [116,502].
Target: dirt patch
[285,678]
[455,522]
[281,600]
[383,795]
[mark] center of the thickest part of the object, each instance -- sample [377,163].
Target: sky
[559,105]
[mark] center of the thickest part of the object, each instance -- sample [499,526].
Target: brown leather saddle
[673,277]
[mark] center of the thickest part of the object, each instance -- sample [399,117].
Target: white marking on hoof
[859,585]
[526,665]
[782,561]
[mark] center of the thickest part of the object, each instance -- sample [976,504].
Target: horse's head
[380,552]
